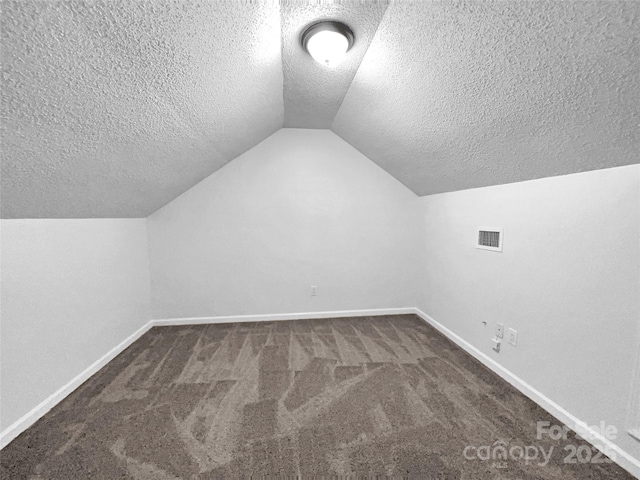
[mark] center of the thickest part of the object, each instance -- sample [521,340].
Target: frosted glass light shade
[327,42]
[327,47]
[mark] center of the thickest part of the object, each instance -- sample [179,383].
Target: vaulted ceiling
[112,109]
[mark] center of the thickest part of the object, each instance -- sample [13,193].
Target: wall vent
[489,239]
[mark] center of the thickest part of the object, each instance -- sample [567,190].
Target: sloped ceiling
[112,109]
[455,95]
[311,96]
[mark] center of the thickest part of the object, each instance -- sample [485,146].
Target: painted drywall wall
[71,291]
[301,208]
[568,280]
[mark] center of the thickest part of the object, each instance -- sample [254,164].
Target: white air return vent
[489,239]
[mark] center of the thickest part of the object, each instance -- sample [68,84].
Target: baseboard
[282,316]
[623,458]
[19,426]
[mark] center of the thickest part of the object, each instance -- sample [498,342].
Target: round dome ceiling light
[327,42]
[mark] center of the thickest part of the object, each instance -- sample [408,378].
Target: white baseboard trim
[20,425]
[622,458]
[282,316]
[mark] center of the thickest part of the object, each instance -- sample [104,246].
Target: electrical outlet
[513,337]
[500,330]
[314,290]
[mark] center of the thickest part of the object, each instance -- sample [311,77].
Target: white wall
[568,281]
[304,207]
[301,208]
[71,291]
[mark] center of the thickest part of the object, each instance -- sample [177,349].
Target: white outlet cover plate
[513,337]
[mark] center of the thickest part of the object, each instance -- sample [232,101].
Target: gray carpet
[371,396]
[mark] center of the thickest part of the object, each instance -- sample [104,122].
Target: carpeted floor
[360,396]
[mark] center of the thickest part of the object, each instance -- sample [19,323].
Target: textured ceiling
[313,92]
[456,95]
[112,109]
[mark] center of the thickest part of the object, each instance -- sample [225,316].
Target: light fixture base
[326,26]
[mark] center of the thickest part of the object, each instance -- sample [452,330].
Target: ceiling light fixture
[327,42]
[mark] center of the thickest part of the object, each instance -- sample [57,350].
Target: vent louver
[490,239]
